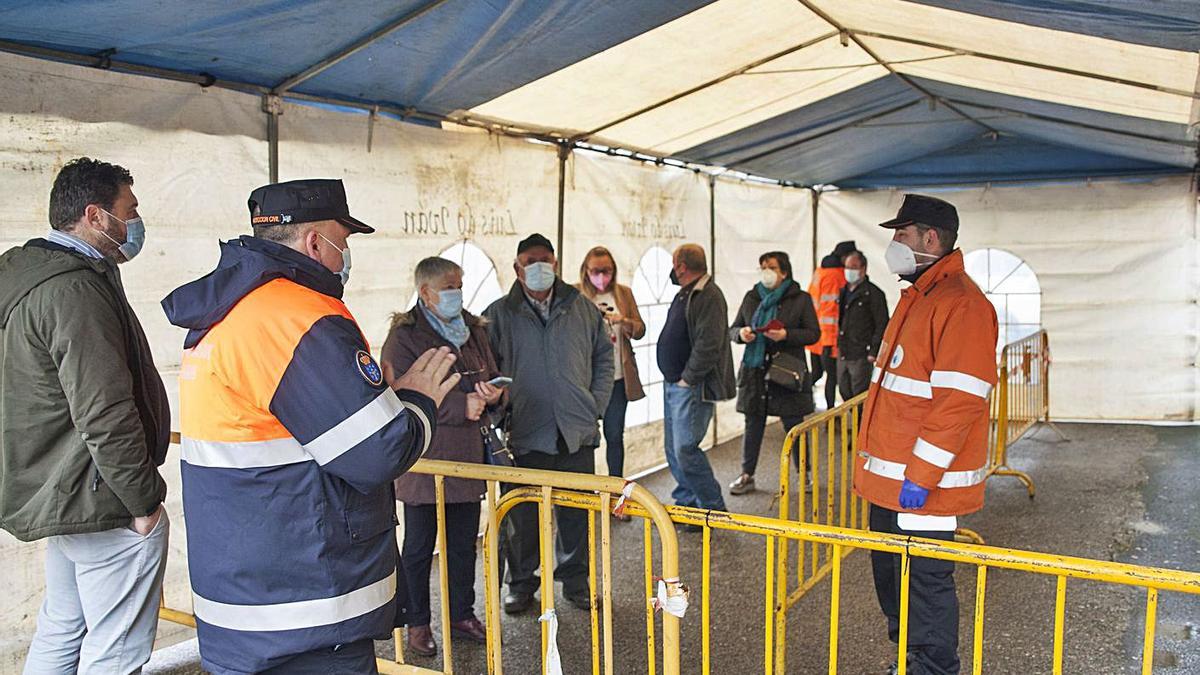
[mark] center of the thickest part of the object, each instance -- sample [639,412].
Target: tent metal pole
[712,254]
[564,151]
[108,63]
[273,107]
[846,33]
[1022,62]
[816,204]
[354,47]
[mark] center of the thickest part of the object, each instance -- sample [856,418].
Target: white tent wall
[1117,265]
[751,219]
[423,189]
[630,208]
[194,154]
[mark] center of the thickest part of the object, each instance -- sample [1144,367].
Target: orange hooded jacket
[926,416]
[826,285]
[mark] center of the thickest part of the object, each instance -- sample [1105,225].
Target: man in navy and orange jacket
[291,440]
[923,445]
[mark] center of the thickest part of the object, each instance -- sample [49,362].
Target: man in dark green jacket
[84,423]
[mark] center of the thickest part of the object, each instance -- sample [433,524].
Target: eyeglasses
[465,373]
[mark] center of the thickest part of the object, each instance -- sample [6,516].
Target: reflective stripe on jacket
[825,288]
[926,415]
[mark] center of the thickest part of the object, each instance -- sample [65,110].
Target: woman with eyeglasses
[598,282]
[438,320]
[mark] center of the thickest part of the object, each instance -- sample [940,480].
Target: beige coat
[634,329]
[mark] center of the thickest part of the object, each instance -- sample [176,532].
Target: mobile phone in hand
[500,381]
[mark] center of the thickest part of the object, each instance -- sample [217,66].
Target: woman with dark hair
[598,281]
[775,322]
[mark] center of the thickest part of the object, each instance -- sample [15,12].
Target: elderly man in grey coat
[553,342]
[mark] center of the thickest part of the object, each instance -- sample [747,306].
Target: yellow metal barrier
[595,494]
[1020,401]
[841,540]
[544,488]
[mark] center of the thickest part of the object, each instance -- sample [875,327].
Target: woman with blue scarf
[776,321]
[439,320]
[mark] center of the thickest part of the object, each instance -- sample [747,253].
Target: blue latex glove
[912,496]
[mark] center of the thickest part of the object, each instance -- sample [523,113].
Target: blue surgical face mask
[135,236]
[539,276]
[450,303]
[344,274]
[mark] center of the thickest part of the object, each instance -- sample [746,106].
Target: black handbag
[788,371]
[495,439]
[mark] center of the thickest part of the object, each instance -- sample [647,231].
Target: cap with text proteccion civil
[303,201]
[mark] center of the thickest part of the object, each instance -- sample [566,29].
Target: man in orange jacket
[825,288]
[923,445]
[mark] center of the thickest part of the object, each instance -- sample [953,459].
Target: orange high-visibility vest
[825,287]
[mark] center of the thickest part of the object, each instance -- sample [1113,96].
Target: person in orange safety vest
[825,289]
[923,455]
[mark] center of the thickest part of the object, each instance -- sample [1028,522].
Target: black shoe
[581,599]
[911,669]
[517,603]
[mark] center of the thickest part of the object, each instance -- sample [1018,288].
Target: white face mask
[902,260]
[852,276]
[770,278]
[344,274]
[539,276]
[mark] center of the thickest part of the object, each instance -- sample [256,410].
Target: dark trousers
[932,603]
[420,535]
[825,364]
[521,527]
[614,429]
[356,658]
[752,439]
[853,376]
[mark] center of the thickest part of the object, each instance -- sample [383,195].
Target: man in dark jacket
[862,318]
[555,345]
[291,438]
[696,360]
[84,424]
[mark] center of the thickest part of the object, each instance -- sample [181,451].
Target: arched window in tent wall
[653,290]
[1012,287]
[481,285]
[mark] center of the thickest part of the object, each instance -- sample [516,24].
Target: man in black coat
[862,318]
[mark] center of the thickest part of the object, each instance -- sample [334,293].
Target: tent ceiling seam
[1070,123]
[713,82]
[846,33]
[827,132]
[1023,62]
[354,47]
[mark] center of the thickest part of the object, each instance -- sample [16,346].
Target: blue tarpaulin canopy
[857,93]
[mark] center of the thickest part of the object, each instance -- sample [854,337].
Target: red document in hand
[773,324]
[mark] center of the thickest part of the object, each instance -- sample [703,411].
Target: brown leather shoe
[420,641]
[471,629]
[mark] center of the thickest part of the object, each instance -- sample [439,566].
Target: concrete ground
[1124,493]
